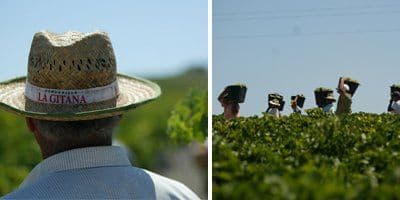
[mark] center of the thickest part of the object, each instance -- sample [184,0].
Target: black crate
[320,96]
[353,85]
[236,93]
[272,96]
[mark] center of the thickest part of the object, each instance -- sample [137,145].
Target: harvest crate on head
[300,100]
[234,93]
[353,84]
[277,96]
[320,96]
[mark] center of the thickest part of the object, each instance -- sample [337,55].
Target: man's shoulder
[396,105]
[171,188]
[128,182]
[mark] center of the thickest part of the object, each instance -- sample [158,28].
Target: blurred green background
[143,131]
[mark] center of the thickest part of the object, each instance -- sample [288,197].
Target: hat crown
[71,60]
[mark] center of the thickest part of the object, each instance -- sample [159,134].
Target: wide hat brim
[134,92]
[274,103]
[330,98]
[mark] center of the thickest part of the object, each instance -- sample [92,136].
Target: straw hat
[72,76]
[274,102]
[330,97]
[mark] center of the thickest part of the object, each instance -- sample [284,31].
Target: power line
[303,10]
[266,18]
[307,34]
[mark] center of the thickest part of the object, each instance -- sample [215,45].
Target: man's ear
[30,124]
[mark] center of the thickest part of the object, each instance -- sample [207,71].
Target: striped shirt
[102,172]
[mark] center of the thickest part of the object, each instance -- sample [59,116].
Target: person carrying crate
[394,104]
[297,103]
[324,99]
[230,98]
[346,89]
[275,104]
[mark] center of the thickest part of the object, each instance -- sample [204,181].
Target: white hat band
[68,97]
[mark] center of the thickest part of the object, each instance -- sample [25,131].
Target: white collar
[88,157]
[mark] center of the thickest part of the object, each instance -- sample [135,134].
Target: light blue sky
[295,46]
[150,38]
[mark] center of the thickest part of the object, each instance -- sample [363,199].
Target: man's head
[231,109]
[274,103]
[57,136]
[71,90]
[329,99]
[396,96]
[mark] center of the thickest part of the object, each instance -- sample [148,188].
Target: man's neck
[50,147]
[47,152]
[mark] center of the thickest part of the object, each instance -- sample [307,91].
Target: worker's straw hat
[73,76]
[274,102]
[330,97]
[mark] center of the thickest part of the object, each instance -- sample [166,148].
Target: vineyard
[313,156]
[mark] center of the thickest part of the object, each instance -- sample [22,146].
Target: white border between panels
[209,140]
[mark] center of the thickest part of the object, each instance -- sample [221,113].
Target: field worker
[73,99]
[295,104]
[395,102]
[230,98]
[273,108]
[329,107]
[345,96]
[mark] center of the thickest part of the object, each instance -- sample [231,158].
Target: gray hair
[77,130]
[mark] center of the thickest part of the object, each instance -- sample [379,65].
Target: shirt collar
[274,110]
[80,158]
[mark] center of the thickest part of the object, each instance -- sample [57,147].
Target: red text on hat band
[68,97]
